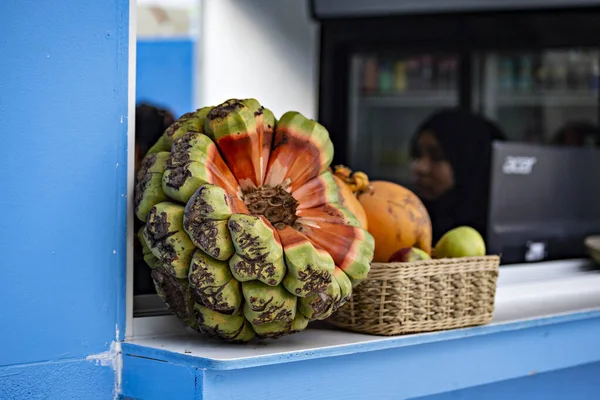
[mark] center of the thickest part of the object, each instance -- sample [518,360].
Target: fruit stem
[357,181]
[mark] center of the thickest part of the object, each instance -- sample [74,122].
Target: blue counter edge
[379,343]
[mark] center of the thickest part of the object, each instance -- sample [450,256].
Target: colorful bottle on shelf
[400,76]
[370,75]
[525,80]
[505,73]
[386,77]
[413,73]
[426,72]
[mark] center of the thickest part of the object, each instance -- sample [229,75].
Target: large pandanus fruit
[246,230]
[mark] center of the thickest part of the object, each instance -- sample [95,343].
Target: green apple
[462,241]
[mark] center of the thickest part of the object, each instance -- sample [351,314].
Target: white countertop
[527,295]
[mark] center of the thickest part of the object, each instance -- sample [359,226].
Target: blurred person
[451,157]
[577,133]
[150,123]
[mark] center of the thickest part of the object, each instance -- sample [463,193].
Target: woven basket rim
[439,261]
[395,270]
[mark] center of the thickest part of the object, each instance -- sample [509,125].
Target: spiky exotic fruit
[245,230]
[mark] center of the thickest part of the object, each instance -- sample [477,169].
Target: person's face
[431,171]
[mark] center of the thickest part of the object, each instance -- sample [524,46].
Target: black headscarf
[150,123]
[466,139]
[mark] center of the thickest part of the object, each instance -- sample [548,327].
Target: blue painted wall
[148,379]
[63,121]
[165,73]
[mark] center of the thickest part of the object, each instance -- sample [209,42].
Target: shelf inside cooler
[549,99]
[410,99]
[515,99]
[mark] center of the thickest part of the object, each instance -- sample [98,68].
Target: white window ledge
[527,296]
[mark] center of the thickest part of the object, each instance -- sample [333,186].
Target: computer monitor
[544,201]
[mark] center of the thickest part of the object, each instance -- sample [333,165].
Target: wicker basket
[422,296]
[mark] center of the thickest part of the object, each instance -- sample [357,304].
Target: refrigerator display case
[390,94]
[534,94]
[386,66]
